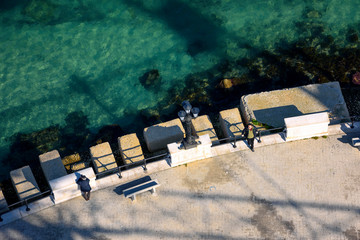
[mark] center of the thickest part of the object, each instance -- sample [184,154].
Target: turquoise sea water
[59,57]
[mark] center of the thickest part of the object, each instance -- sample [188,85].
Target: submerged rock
[150,79]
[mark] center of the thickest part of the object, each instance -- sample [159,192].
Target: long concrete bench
[24,183]
[3,204]
[157,137]
[52,165]
[102,157]
[65,188]
[130,148]
[307,126]
[203,126]
[143,187]
[231,123]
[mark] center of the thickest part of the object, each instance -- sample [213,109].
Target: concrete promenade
[307,189]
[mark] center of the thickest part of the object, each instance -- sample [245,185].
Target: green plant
[315,137]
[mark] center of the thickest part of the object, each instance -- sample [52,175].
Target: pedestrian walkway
[307,189]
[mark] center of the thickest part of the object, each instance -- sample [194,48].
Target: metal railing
[142,163]
[25,202]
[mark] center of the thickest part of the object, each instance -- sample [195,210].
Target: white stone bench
[24,183]
[157,137]
[143,187]
[130,148]
[65,188]
[355,142]
[202,126]
[52,165]
[102,157]
[231,123]
[307,126]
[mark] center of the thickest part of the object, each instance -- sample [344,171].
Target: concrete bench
[52,165]
[355,142]
[143,187]
[102,157]
[203,126]
[231,123]
[24,183]
[65,188]
[157,137]
[130,148]
[307,126]
[3,204]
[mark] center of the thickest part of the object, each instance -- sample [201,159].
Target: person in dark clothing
[85,188]
[250,133]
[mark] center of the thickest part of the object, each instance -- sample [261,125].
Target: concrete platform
[202,126]
[52,165]
[24,183]
[273,107]
[231,123]
[307,189]
[157,137]
[102,157]
[130,148]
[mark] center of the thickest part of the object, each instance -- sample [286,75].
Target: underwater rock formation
[150,79]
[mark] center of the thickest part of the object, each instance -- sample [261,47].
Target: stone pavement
[307,189]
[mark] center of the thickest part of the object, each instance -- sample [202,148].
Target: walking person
[85,188]
[250,133]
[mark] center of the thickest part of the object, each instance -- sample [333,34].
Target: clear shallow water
[57,57]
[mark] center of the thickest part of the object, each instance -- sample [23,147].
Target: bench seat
[143,187]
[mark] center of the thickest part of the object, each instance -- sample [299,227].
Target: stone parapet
[180,156]
[65,188]
[307,126]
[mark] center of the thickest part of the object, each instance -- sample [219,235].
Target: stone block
[231,123]
[52,165]
[182,156]
[3,204]
[307,126]
[24,183]
[130,148]
[102,157]
[65,188]
[158,136]
[203,126]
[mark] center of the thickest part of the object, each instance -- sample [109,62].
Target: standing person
[85,188]
[250,132]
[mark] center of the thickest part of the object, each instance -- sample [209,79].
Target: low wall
[307,126]
[65,188]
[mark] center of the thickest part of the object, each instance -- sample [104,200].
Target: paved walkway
[308,189]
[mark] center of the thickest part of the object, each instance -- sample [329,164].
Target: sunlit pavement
[307,189]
